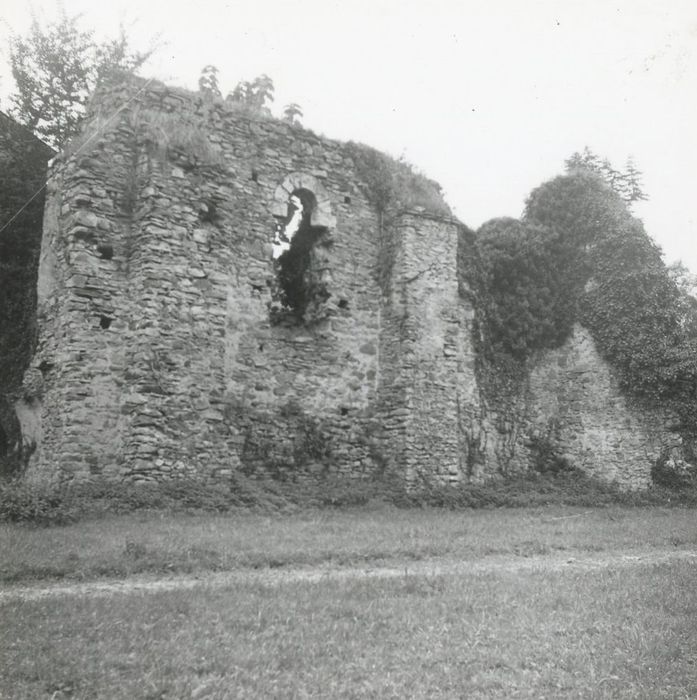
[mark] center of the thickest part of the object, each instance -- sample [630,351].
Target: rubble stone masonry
[167,345]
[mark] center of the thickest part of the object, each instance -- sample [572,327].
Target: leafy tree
[581,205]
[683,278]
[633,188]
[239,94]
[253,95]
[640,320]
[56,67]
[578,255]
[686,283]
[208,82]
[292,113]
[522,286]
[22,175]
[262,92]
[627,184]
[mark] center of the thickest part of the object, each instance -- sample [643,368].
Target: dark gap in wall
[343,303]
[297,281]
[45,366]
[347,200]
[258,287]
[344,411]
[86,235]
[292,268]
[255,176]
[106,251]
[261,347]
[105,322]
[208,212]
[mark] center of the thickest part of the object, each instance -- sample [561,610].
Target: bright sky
[486,96]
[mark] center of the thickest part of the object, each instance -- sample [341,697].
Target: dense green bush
[520,285]
[46,504]
[637,315]
[23,161]
[578,255]
[34,503]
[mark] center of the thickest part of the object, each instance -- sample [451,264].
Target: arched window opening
[301,204]
[301,285]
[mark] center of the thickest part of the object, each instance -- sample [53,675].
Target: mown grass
[162,543]
[570,634]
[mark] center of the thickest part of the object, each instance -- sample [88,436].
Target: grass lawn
[599,634]
[161,543]
[605,632]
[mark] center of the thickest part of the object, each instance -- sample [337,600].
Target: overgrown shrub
[172,133]
[520,285]
[578,255]
[545,456]
[674,474]
[46,506]
[23,160]
[394,185]
[35,503]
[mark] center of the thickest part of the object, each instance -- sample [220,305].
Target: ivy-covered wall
[586,347]
[23,160]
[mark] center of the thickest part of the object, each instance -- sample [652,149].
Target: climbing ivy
[23,161]
[521,282]
[578,255]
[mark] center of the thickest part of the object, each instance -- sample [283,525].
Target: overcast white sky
[486,96]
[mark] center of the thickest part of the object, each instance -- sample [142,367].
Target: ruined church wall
[75,382]
[427,363]
[158,353]
[574,402]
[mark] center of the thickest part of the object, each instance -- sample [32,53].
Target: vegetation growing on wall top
[394,185]
[178,133]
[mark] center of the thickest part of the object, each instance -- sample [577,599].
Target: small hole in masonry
[344,411]
[106,251]
[343,303]
[255,176]
[347,200]
[105,322]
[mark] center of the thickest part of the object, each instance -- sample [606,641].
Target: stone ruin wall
[159,357]
[575,401]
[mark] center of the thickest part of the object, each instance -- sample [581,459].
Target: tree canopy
[625,183]
[578,255]
[56,67]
